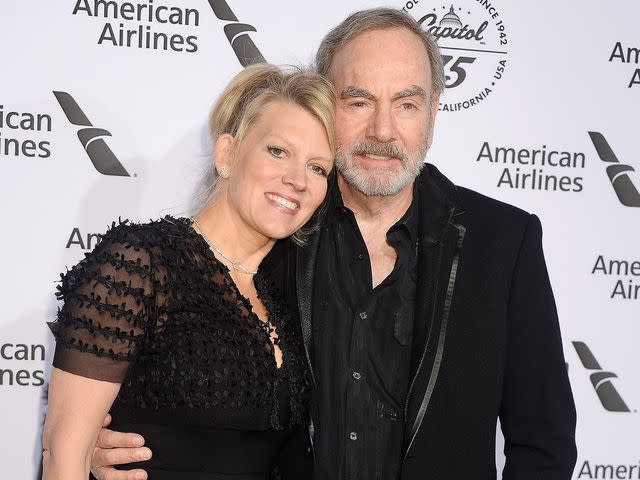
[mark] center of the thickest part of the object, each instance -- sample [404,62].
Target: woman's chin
[278,233]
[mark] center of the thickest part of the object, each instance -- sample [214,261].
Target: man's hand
[116,448]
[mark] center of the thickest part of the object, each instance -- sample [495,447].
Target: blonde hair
[243,100]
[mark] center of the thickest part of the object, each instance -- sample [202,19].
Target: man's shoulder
[476,210]
[480,204]
[490,220]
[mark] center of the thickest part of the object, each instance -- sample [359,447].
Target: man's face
[384,115]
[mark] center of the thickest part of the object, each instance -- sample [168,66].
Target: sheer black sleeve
[109,305]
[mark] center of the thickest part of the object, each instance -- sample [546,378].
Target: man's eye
[358,104]
[409,106]
[276,151]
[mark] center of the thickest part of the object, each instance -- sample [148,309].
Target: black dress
[152,308]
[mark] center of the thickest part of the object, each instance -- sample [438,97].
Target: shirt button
[353,436]
[361,256]
[363,315]
[356,375]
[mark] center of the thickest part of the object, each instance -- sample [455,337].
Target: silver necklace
[234,263]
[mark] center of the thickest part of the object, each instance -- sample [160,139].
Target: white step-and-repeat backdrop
[103,110]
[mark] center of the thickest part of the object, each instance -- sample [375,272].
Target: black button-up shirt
[361,348]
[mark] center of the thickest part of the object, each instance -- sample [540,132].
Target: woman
[172,325]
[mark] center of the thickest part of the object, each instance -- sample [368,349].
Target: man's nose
[382,124]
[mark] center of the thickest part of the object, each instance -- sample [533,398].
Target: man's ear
[223,155]
[434,105]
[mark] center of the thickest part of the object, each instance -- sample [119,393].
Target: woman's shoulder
[134,246]
[154,234]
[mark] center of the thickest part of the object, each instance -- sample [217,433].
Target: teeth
[376,157]
[283,201]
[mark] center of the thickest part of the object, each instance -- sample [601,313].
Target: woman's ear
[223,155]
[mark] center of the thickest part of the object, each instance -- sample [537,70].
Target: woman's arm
[109,303]
[77,407]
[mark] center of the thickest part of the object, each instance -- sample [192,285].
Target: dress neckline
[259,283]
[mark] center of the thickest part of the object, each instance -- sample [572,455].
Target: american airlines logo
[91,138]
[236,33]
[601,380]
[626,191]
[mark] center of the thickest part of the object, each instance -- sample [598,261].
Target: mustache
[379,148]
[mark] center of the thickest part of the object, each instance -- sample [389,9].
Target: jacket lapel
[305,269]
[438,255]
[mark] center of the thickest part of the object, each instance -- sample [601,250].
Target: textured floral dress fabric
[153,309]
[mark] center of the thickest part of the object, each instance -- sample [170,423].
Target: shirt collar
[408,221]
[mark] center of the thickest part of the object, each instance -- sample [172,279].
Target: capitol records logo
[473,40]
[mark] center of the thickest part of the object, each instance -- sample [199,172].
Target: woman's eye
[319,170]
[276,152]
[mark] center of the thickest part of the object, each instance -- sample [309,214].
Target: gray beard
[375,186]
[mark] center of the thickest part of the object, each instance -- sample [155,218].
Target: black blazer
[486,342]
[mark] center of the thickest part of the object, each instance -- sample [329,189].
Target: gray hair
[376,19]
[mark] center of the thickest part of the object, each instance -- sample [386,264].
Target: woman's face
[279,171]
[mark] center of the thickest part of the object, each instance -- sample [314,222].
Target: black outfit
[364,334]
[485,344]
[152,308]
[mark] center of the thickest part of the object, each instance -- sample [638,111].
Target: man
[426,308]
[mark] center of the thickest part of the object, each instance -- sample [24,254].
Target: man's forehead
[395,58]
[380,79]
[397,40]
